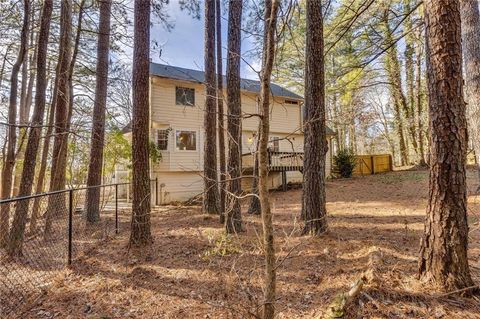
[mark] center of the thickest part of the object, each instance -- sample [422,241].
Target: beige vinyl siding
[285,118]
[180,171]
[178,186]
[166,114]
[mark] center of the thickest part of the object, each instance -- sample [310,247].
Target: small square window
[186,140]
[162,140]
[184,96]
[274,144]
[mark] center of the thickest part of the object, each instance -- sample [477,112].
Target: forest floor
[193,271]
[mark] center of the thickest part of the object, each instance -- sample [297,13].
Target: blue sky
[183,46]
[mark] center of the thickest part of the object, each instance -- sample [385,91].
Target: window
[184,96]
[186,140]
[162,140]
[291,102]
[274,144]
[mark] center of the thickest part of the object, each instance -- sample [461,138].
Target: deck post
[284,180]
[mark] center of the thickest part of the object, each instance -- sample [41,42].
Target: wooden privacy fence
[373,164]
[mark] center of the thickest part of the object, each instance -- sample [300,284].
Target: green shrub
[344,163]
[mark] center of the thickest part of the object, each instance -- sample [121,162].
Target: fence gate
[373,164]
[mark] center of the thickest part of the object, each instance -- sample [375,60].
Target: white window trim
[168,138]
[197,140]
[194,95]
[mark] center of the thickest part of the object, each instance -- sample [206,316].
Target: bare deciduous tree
[268,56]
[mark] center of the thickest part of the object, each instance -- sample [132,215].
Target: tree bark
[471,52]
[25,105]
[210,179]
[56,204]
[28,173]
[419,91]
[443,253]
[220,110]
[140,233]
[315,144]
[255,206]
[43,164]
[233,222]
[392,67]
[7,172]
[409,52]
[94,177]
[270,27]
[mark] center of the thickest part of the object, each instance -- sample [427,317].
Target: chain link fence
[48,231]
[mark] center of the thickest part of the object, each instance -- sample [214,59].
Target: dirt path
[193,271]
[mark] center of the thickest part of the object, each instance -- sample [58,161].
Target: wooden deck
[278,162]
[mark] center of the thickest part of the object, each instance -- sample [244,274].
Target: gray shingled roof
[177,73]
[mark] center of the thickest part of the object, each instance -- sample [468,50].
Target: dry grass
[194,271]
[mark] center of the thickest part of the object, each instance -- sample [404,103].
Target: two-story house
[177,97]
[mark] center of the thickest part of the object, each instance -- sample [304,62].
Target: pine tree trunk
[210,179]
[233,222]
[419,98]
[315,145]
[25,105]
[392,68]
[7,172]
[410,76]
[443,253]
[220,110]
[43,164]
[56,204]
[271,9]
[471,53]
[98,122]
[28,173]
[140,232]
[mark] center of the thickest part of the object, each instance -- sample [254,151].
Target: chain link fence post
[116,208]
[70,225]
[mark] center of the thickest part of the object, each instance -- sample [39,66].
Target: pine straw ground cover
[193,271]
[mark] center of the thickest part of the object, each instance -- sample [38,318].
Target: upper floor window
[184,96]
[162,140]
[186,140]
[291,102]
